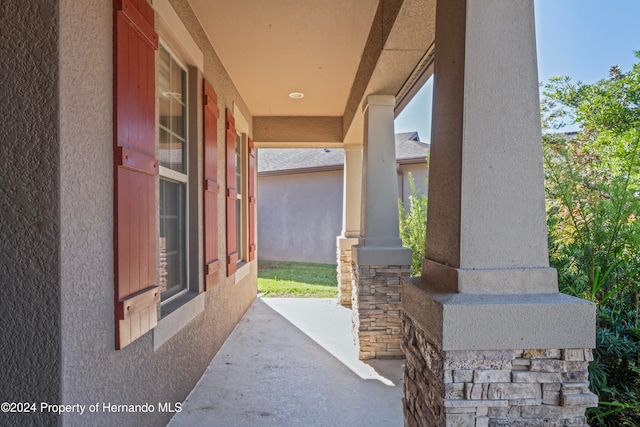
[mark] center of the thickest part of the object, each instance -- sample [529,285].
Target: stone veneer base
[484,388]
[344,276]
[376,308]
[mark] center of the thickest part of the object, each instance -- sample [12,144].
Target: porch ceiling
[336,52]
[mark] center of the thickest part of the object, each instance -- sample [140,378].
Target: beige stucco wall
[300,216]
[92,370]
[419,172]
[29,209]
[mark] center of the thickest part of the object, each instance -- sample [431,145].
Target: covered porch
[488,338]
[292,362]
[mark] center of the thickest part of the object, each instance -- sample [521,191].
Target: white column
[487,294]
[486,222]
[379,260]
[380,242]
[486,229]
[350,234]
[352,191]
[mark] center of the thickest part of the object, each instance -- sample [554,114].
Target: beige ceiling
[336,52]
[274,47]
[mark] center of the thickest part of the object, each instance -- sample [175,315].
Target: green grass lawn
[297,280]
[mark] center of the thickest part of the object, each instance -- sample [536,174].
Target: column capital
[380,100]
[352,147]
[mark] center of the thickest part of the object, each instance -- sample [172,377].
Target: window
[179,210]
[173,146]
[156,233]
[239,201]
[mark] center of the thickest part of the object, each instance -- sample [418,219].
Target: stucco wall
[300,216]
[29,216]
[419,172]
[92,370]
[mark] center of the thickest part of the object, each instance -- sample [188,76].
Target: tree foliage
[593,203]
[413,226]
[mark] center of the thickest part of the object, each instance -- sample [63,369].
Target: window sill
[242,271]
[175,316]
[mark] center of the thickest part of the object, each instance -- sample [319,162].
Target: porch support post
[499,343]
[350,219]
[379,260]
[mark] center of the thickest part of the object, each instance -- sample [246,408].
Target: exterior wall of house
[419,172]
[300,216]
[92,370]
[29,218]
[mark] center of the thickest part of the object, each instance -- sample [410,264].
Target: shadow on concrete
[292,362]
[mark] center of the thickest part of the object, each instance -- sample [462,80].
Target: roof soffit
[271,48]
[337,52]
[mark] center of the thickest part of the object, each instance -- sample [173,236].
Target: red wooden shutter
[232,195]
[135,171]
[252,201]
[211,187]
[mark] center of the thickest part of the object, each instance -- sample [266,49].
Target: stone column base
[448,385]
[345,279]
[376,303]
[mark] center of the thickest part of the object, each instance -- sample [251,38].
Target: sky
[581,39]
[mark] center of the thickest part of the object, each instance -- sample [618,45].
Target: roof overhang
[337,52]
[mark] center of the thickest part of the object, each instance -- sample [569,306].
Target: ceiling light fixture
[296,95]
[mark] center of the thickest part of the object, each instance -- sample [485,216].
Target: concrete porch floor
[292,362]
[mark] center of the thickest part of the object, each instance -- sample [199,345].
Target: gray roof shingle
[408,146]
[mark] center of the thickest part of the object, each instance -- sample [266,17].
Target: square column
[350,220]
[379,260]
[489,339]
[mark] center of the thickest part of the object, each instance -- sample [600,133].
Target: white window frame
[177,40]
[169,174]
[242,242]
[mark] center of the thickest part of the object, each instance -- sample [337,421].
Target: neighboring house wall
[419,172]
[300,216]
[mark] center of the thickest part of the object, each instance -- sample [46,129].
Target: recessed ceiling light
[296,95]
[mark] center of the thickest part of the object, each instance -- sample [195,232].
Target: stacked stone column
[489,339]
[377,310]
[481,388]
[379,260]
[350,220]
[345,278]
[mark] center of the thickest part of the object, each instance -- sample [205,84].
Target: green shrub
[615,372]
[413,226]
[593,200]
